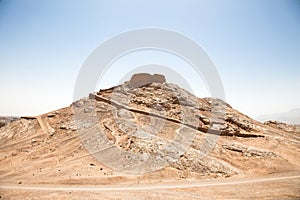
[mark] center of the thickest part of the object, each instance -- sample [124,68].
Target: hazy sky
[255,45]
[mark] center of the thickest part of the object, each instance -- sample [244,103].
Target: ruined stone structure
[142,79]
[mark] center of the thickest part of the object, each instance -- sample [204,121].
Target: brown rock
[142,79]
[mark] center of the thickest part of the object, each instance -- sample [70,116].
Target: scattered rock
[50,115]
[73,128]
[33,141]
[64,127]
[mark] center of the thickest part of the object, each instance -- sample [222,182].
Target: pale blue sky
[255,45]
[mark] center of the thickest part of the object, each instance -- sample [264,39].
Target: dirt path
[195,184]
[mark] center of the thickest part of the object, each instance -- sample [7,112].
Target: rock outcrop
[284,126]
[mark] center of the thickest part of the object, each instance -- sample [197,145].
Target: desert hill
[141,131]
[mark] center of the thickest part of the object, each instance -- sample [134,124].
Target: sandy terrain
[279,186]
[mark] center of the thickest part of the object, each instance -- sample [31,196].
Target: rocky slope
[143,130]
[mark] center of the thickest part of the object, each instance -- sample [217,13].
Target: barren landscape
[148,139]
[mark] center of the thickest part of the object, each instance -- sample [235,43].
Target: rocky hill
[143,130]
